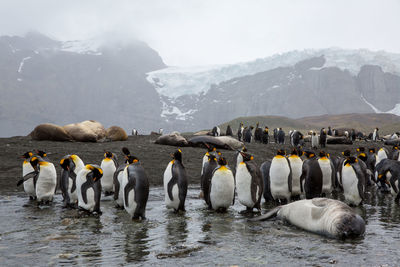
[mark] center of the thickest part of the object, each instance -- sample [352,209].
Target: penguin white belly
[297,164]
[243,186]
[108,167]
[381,155]
[131,203]
[29,186]
[239,159]
[171,204]
[90,200]
[314,141]
[46,182]
[73,196]
[205,159]
[279,175]
[326,169]
[222,189]
[350,186]
[120,199]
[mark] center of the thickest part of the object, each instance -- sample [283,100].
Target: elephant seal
[230,141]
[115,133]
[393,142]
[51,132]
[173,139]
[86,131]
[322,216]
[200,141]
[341,140]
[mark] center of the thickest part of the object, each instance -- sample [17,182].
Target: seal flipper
[272,213]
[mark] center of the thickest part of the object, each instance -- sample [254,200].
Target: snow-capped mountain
[175,83]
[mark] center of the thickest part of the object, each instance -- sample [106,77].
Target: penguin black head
[131,159]
[212,157]
[126,151]
[362,156]
[395,148]
[177,155]
[34,162]
[372,150]
[322,153]
[246,156]
[281,152]
[96,170]
[108,154]
[222,161]
[41,153]
[350,160]
[346,153]
[294,151]
[309,154]
[244,149]
[27,155]
[65,163]
[361,149]
[210,148]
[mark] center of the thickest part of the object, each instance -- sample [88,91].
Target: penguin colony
[300,174]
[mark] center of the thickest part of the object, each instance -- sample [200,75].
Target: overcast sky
[198,32]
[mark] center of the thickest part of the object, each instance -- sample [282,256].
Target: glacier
[174,82]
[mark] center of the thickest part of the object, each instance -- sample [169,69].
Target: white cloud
[196,32]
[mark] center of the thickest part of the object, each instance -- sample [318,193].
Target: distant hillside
[387,123]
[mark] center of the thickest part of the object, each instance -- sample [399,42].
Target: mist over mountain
[45,80]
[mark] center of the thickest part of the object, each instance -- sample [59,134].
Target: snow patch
[21,65]
[395,110]
[172,110]
[81,47]
[369,104]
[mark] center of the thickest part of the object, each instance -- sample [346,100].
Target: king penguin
[353,181]
[328,173]
[46,180]
[209,168]
[117,180]
[175,183]
[296,164]
[311,176]
[28,174]
[71,166]
[109,165]
[135,186]
[249,183]
[280,177]
[222,187]
[210,150]
[89,188]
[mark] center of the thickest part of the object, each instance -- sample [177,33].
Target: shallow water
[51,235]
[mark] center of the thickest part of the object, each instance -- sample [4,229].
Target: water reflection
[176,229]
[136,245]
[90,250]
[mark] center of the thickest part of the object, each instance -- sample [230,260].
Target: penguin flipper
[64,185]
[290,176]
[116,182]
[85,186]
[179,171]
[26,177]
[256,181]
[130,185]
[171,183]
[392,183]
[73,177]
[97,196]
[272,213]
